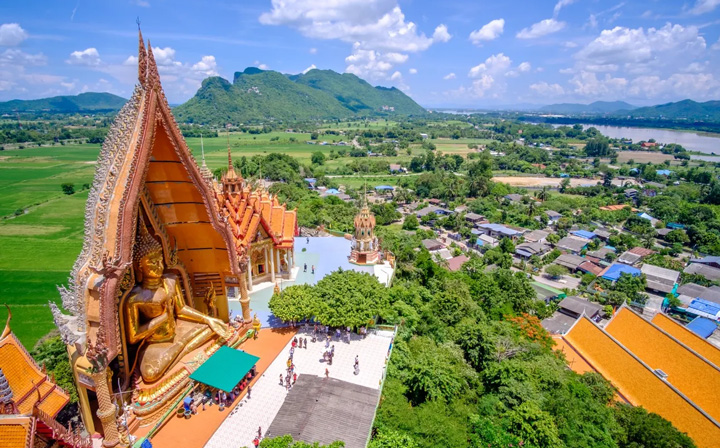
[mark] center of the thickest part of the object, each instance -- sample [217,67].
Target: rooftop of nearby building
[639,384]
[580,306]
[572,244]
[687,337]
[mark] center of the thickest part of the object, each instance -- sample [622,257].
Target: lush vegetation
[89,102]
[260,95]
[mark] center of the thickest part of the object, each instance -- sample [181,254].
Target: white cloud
[592,22]
[704,6]
[570,44]
[20,58]
[542,28]
[449,76]
[312,67]
[560,5]
[716,45]
[545,89]
[478,89]
[489,31]
[413,71]
[524,67]
[701,86]
[396,76]
[375,28]
[589,85]
[142,3]
[372,64]
[206,66]
[89,57]
[313,50]
[495,64]
[11,34]
[441,34]
[261,66]
[638,50]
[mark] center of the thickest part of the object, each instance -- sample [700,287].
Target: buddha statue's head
[148,257]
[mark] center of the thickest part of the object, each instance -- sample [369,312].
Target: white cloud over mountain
[377,30]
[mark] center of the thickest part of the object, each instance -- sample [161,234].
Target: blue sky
[449,53]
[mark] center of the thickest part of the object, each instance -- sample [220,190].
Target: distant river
[689,140]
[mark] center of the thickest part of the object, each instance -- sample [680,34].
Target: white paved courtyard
[241,426]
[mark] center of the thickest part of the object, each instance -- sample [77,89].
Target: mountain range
[89,102]
[598,107]
[261,95]
[682,110]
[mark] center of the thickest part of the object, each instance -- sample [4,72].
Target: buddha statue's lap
[157,317]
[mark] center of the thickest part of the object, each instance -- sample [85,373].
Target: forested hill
[260,95]
[89,102]
[708,111]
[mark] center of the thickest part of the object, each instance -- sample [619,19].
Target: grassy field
[40,245]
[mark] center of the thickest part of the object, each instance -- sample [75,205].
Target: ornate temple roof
[248,210]
[28,383]
[144,163]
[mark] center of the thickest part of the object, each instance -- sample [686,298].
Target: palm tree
[542,194]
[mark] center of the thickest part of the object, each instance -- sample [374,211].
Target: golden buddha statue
[157,315]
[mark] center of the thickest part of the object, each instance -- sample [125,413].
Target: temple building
[365,249]
[165,247]
[261,227]
[30,401]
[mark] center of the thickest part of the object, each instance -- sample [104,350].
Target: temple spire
[204,170]
[230,165]
[6,332]
[142,57]
[153,77]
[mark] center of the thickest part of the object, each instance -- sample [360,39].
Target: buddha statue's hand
[218,327]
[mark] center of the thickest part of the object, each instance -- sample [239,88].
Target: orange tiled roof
[638,384]
[576,362]
[247,210]
[26,379]
[687,337]
[15,432]
[694,376]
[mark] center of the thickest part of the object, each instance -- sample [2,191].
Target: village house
[500,231]
[572,244]
[660,279]
[570,261]
[527,250]
[537,236]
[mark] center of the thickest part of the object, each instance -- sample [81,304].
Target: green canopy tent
[225,368]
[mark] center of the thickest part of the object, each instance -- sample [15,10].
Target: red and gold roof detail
[250,211]
[29,385]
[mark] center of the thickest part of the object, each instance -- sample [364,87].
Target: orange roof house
[692,374]
[614,208]
[687,337]
[638,383]
[29,400]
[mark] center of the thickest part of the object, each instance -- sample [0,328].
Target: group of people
[258,438]
[290,375]
[305,268]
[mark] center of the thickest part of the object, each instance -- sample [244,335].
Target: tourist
[305,267]
[294,377]
[292,350]
[327,342]
[305,342]
[327,373]
[313,269]
[259,432]
[332,349]
[307,241]
[256,442]
[248,392]
[281,379]
[337,334]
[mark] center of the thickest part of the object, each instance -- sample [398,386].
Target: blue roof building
[704,308]
[674,226]
[702,327]
[332,191]
[384,188]
[564,175]
[616,269]
[584,234]
[663,172]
